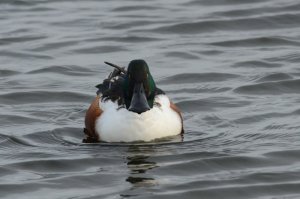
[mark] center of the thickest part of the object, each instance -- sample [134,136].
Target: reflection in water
[142,168]
[138,164]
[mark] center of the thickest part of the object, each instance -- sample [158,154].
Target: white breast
[124,126]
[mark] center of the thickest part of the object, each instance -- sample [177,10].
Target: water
[232,66]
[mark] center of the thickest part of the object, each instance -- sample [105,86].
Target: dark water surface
[232,66]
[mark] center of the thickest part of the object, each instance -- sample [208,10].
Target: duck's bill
[139,103]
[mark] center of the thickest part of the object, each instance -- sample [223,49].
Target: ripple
[182,55]
[288,155]
[245,24]
[236,191]
[4,73]
[42,97]
[15,143]
[222,2]
[210,104]
[71,70]
[99,49]
[275,77]
[289,58]
[20,39]
[54,45]
[5,171]
[75,21]
[127,39]
[258,10]
[257,42]
[17,2]
[271,88]
[69,136]
[211,52]
[24,55]
[259,118]
[60,165]
[257,64]
[119,25]
[134,8]
[198,77]
[230,163]
[200,90]
[17,119]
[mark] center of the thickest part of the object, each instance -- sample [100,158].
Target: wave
[23,55]
[198,77]
[54,46]
[182,55]
[257,64]
[134,8]
[69,136]
[4,72]
[16,119]
[279,21]
[71,70]
[293,57]
[18,2]
[13,40]
[126,39]
[119,25]
[257,42]
[252,11]
[32,97]
[222,2]
[275,77]
[99,49]
[200,90]
[210,104]
[271,88]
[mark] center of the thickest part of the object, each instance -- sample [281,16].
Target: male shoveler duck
[129,107]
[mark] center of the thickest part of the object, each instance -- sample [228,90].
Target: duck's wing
[111,87]
[109,81]
[159,91]
[114,78]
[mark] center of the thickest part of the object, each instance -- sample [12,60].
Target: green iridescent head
[139,87]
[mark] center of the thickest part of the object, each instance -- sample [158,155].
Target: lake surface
[232,66]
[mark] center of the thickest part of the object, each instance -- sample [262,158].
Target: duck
[129,107]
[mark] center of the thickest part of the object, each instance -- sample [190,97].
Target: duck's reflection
[138,165]
[140,160]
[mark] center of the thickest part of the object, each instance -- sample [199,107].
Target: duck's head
[139,87]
